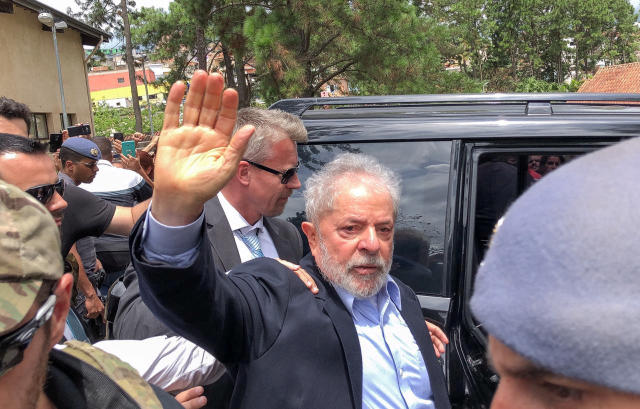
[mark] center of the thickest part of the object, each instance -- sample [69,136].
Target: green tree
[379,46]
[198,30]
[114,17]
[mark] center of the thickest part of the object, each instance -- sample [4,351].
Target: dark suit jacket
[134,320]
[289,347]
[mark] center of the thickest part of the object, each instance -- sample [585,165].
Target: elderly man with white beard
[359,342]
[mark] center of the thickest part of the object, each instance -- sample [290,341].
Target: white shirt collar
[235,219]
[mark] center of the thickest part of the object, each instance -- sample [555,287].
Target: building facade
[112,88]
[28,64]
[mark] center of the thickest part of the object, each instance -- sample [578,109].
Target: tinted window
[502,177]
[420,228]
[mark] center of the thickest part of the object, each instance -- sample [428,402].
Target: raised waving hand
[196,159]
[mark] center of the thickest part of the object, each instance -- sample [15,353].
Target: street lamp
[143,57]
[47,19]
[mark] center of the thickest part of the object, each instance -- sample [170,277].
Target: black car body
[462,160]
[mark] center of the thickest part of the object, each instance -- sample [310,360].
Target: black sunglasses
[44,193]
[286,175]
[12,345]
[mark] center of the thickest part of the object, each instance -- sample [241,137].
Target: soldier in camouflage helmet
[34,301]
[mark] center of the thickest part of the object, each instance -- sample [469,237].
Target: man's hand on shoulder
[194,161]
[302,275]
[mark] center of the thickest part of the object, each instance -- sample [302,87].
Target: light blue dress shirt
[175,245]
[393,372]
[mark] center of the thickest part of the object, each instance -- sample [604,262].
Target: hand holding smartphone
[129,148]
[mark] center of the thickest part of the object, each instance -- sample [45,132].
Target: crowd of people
[166,279]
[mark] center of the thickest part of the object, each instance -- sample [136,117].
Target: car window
[420,228]
[501,178]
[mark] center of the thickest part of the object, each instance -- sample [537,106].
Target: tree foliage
[387,46]
[205,34]
[379,45]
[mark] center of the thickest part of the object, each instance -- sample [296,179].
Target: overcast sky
[115,42]
[63,4]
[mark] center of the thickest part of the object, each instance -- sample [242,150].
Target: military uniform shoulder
[118,371]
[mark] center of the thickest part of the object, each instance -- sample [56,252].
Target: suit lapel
[343,324]
[220,235]
[421,335]
[280,241]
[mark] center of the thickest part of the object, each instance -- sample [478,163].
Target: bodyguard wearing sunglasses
[34,301]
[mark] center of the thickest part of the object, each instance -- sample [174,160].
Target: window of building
[39,129]
[121,80]
[6,7]
[70,120]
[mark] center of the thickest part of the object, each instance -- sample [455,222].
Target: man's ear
[312,235]
[242,174]
[68,165]
[63,302]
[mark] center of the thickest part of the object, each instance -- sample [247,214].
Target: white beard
[343,276]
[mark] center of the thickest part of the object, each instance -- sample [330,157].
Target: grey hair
[322,187]
[272,126]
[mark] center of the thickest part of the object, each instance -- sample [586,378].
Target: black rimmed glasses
[44,193]
[12,345]
[286,175]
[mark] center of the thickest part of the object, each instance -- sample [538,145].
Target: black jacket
[134,320]
[289,347]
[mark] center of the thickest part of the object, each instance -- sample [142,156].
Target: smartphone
[129,148]
[118,135]
[79,130]
[55,141]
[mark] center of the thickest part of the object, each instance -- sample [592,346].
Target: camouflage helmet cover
[29,253]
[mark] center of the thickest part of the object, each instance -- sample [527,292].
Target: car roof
[474,116]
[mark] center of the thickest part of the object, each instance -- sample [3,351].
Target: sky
[63,4]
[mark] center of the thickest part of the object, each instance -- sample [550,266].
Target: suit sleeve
[236,317]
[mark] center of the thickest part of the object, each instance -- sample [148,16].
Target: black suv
[462,159]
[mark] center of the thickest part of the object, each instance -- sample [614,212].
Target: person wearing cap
[34,300]
[25,163]
[561,304]
[79,158]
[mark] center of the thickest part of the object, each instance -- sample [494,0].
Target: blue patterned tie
[251,241]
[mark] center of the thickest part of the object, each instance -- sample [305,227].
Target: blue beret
[560,283]
[83,147]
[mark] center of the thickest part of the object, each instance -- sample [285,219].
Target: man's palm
[194,161]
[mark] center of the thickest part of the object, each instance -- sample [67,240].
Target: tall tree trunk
[131,66]
[241,80]
[201,48]
[228,67]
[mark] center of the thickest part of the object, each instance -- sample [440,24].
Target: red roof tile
[622,78]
